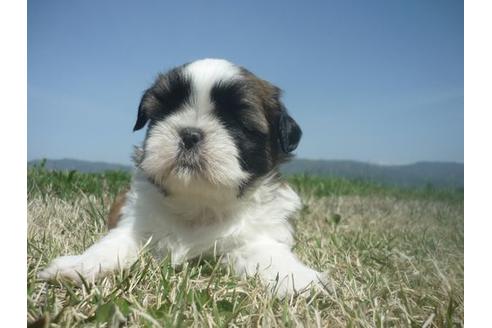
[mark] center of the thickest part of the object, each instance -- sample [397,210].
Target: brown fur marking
[115,211]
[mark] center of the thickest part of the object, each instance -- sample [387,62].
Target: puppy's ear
[289,132]
[143,116]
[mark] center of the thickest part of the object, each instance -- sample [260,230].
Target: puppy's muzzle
[190,137]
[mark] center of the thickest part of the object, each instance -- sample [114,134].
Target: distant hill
[439,174]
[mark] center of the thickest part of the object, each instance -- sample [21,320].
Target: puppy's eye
[167,95]
[227,95]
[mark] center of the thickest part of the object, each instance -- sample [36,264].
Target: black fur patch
[231,106]
[165,96]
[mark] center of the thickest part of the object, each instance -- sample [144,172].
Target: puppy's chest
[196,218]
[194,215]
[185,234]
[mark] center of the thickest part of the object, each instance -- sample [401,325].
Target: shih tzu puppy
[206,180]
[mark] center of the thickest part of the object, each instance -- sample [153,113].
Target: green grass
[70,184]
[334,186]
[395,257]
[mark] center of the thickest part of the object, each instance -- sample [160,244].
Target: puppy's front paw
[71,268]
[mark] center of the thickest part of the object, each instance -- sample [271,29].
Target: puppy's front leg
[277,267]
[118,249]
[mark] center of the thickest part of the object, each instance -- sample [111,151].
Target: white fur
[218,152]
[206,72]
[202,212]
[251,232]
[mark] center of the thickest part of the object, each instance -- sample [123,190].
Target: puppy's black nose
[190,137]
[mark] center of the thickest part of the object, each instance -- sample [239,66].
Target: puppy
[206,180]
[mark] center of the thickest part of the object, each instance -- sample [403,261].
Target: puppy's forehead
[206,73]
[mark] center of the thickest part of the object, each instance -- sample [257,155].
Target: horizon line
[294,158]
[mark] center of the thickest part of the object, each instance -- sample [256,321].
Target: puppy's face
[215,124]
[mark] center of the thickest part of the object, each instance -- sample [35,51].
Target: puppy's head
[213,123]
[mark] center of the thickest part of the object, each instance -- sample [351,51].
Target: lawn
[395,257]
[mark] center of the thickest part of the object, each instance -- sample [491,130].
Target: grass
[395,257]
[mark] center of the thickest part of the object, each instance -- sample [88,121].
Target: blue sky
[377,81]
